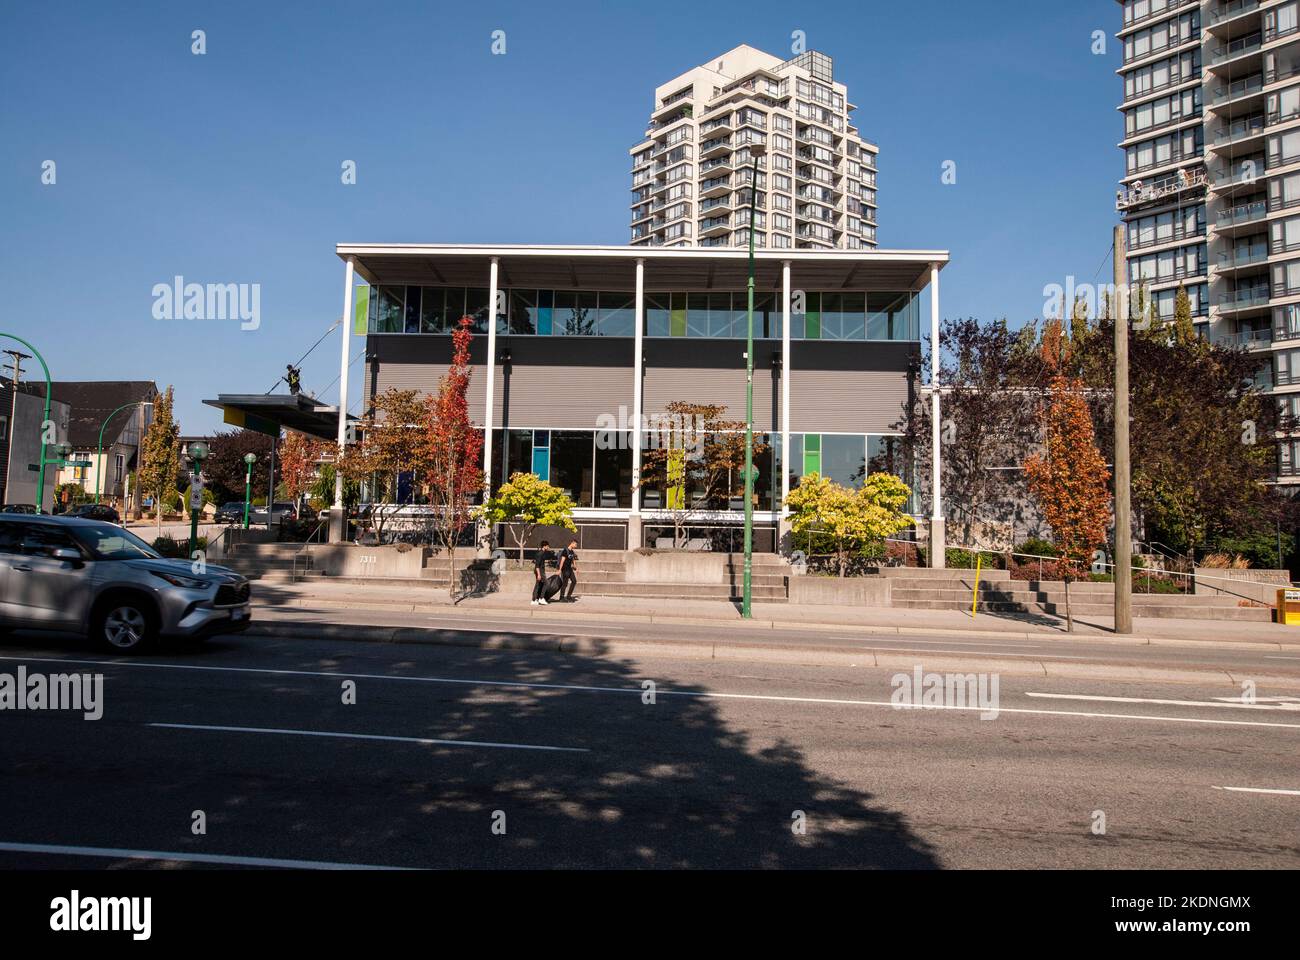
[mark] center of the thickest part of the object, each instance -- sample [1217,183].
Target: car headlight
[188,583]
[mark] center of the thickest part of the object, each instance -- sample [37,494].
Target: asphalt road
[461,757]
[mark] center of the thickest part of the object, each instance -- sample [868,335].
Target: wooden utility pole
[1123,506]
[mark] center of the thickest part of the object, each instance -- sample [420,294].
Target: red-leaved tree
[1070,478]
[453,451]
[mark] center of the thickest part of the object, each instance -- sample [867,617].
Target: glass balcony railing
[1226,11]
[1246,213]
[1244,299]
[1243,257]
[1236,48]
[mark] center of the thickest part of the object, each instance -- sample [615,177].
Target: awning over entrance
[267,413]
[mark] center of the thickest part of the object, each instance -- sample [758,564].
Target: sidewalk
[324,597]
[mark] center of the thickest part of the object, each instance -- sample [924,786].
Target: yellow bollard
[979,557]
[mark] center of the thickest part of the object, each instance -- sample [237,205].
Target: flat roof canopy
[267,412]
[666,268]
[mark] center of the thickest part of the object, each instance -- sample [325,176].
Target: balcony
[717,186]
[1226,12]
[1248,299]
[1236,90]
[1244,257]
[715,148]
[1166,46]
[1243,46]
[1246,340]
[1240,131]
[715,226]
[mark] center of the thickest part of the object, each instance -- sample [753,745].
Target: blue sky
[225,167]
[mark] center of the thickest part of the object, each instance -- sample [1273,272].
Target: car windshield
[114,543]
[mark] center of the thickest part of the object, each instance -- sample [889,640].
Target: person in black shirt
[543,556]
[569,571]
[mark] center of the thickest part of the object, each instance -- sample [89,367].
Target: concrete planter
[677,566]
[1258,585]
[846,592]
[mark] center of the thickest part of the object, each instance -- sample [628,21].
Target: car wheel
[124,626]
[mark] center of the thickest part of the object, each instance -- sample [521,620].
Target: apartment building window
[781,162]
[1280,21]
[1286,367]
[781,182]
[781,122]
[1166,150]
[4,428]
[1162,110]
[781,222]
[1284,192]
[1190,261]
[1288,456]
[1286,279]
[1284,148]
[780,201]
[781,241]
[1286,322]
[1160,36]
[1164,227]
[781,143]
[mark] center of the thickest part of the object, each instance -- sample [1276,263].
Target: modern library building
[573,344]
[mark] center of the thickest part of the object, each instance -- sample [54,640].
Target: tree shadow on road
[661,782]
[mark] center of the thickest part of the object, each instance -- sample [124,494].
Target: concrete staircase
[921,589]
[271,562]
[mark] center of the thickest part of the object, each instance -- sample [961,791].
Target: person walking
[543,556]
[569,571]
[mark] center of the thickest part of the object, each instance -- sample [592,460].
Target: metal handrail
[1192,577]
[320,523]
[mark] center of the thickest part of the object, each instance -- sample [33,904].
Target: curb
[742,651]
[866,630]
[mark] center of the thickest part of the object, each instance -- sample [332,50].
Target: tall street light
[757,151]
[99,457]
[198,451]
[249,460]
[49,388]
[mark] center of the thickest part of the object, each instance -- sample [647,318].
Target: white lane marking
[1286,793]
[1267,657]
[1232,704]
[125,854]
[950,643]
[702,695]
[371,736]
[1006,653]
[510,627]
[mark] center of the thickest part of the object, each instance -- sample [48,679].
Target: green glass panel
[813,317]
[361,310]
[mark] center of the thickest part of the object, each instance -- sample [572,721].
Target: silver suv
[99,579]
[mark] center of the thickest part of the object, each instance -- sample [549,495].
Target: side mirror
[66,553]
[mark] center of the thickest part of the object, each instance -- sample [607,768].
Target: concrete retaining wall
[833,591]
[1260,585]
[350,560]
[676,566]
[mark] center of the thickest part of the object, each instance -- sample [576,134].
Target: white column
[938,542]
[638,418]
[785,386]
[343,377]
[491,378]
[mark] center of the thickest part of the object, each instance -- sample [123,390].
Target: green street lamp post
[49,388]
[249,460]
[757,151]
[198,451]
[99,457]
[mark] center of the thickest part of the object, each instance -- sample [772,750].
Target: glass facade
[711,314]
[599,474]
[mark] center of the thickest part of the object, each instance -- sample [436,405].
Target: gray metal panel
[837,401]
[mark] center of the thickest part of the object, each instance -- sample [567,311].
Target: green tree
[852,520]
[527,502]
[392,441]
[1184,331]
[159,456]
